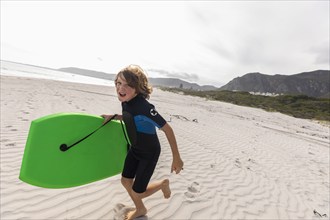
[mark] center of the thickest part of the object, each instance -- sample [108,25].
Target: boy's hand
[106,118]
[177,165]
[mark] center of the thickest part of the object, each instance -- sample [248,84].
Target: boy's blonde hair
[137,79]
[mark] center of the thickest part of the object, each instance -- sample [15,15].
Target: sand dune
[240,162]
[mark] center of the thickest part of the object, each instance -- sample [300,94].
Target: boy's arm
[177,164]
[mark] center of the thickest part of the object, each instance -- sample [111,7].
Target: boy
[140,119]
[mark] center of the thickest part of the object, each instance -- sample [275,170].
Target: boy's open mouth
[122,94]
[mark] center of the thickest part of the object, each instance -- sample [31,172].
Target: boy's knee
[127,183]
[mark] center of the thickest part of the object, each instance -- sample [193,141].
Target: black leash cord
[65,147]
[128,144]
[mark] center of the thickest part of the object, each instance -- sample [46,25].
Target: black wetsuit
[141,120]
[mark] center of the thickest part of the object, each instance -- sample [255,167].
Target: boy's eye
[119,84]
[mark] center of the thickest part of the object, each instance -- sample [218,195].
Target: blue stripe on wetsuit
[145,124]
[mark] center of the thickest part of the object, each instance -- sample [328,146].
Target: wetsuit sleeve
[148,119]
[158,120]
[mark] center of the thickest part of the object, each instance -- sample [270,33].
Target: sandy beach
[240,162]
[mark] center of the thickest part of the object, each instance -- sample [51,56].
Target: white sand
[240,163]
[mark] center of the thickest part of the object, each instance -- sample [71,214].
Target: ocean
[9,68]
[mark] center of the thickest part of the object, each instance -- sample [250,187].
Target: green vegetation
[299,106]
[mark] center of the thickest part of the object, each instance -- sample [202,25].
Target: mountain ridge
[314,83]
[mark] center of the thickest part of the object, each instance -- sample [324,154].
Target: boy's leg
[140,209]
[163,185]
[137,197]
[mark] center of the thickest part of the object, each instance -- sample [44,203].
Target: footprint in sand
[4,140]
[193,191]
[238,163]
[120,211]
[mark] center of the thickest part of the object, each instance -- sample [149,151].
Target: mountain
[156,82]
[314,84]
[178,83]
[91,73]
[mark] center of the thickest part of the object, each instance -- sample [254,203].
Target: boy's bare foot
[135,214]
[166,188]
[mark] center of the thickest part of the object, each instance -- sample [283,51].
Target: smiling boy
[141,120]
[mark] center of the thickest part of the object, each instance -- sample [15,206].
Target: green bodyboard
[99,156]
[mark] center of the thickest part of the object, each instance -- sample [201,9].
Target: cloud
[321,53]
[270,37]
[218,47]
[207,41]
[180,75]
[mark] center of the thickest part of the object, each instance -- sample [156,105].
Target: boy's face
[124,92]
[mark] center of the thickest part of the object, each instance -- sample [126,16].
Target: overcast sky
[208,42]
